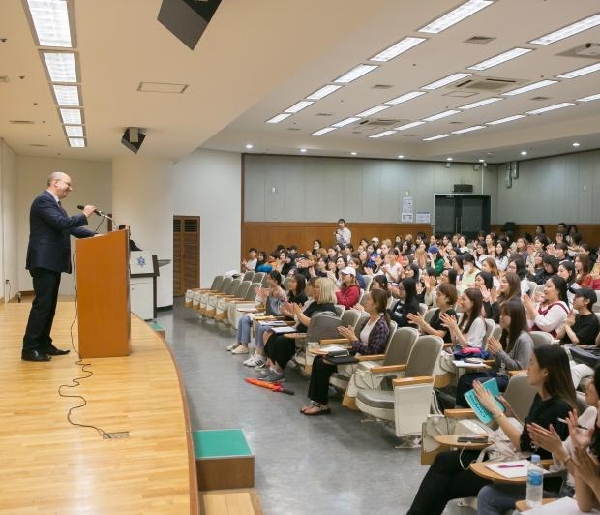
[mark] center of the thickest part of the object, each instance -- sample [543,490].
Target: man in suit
[48,255]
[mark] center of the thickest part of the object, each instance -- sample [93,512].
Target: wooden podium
[103,312]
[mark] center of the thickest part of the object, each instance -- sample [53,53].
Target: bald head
[59,184]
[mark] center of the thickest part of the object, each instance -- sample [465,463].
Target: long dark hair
[380,299]
[561,286]
[475,296]
[488,279]
[514,288]
[300,286]
[276,276]
[558,383]
[410,287]
[518,323]
[382,281]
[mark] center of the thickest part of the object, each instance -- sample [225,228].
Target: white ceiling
[259,57]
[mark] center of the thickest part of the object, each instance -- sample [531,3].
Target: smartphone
[472,438]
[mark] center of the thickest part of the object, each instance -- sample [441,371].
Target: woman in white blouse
[549,314]
[470,332]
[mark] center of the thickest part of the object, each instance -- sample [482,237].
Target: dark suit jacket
[50,230]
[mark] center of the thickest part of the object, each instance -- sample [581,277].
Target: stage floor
[48,465]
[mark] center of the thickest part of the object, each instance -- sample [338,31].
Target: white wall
[208,184]
[8,225]
[92,185]
[368,190]
[558,189]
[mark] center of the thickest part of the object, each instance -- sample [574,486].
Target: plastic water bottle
[535,483]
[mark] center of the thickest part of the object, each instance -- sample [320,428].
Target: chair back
[258,277]
[368,281]
[351,317]
[393,327]
[497,332]
[400,346]
[422,309]
[541,338]
[264,281]
[363,299]
[429,315]
[519,394]
[532,287]
[243,289]
[323,326]
[250,294]
[225,284]
[217,281]
[248,276]
[339,309]
[424,356]
[489,329]
[233,286]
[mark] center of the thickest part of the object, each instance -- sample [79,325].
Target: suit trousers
[41,316]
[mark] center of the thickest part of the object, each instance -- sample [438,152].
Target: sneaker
[274,377]
[250,362]
[261,365]
[263,372]
[241,349]
[231,347]
[259,362]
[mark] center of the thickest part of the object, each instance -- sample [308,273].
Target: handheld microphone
[97,211]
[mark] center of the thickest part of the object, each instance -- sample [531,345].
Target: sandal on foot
[318,410]
[312,404]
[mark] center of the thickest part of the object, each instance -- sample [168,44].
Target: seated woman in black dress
[450,477]
[371,340]
[445,298]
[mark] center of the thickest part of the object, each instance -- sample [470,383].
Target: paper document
[510,469]
[562,506]
[333,348]
[284,329]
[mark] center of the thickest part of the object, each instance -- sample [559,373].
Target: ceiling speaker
[133,139]
[187,19]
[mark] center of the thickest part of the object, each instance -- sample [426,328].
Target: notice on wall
[423,217]
[407,218]
[407,210]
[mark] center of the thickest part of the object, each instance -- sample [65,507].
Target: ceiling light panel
[66,95]
[445,81]
[457,15]
[71,116]
[299,106]
[320,132]
[550,108]
[443,114]
[500,58]
[438,136]
[355,73]
[395,50]
[373,110]
[74,131]
[323,92]
[346,121]
[529,87]
[278,118]
[580,72]
[481,103]
[405,98]
[569,30]
[77,142]
[507,119]
[470,129]
[591,98]
[408,126]
[60,66]
[380,134]
[51,22]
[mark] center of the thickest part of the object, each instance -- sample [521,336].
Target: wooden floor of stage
[48,465]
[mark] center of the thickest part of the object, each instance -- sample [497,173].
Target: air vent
[22,122]
[460,94]
[540,99]
[324,114]
[587,51]
[4,78]
[479,40]
[161,87]
[382,86]
[38,145]
[293,129]
[456,123]
[486,84]
[379,122]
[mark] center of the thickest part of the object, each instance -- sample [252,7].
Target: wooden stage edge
[51,466]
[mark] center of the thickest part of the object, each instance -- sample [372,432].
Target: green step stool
[223,460]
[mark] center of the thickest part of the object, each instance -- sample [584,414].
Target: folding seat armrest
[372,357]
[489,362]
[513,373]
[459,413]
[334,341]
[408,381]
[388,369]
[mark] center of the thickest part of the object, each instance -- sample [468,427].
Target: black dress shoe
[34,355]
[53,351]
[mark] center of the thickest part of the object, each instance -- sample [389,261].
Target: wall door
[186,253]
[464,214]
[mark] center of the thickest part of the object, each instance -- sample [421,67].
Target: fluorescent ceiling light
[299,106]
[51,22]
[443,114]
[60,66]
[74,131]
[279,118]
[355,73]
[352,153]
[481,103]
[455,16]
[439,136]
[523,152]
[405,98]
[400,157]
[323,92]
[66,95]
[449,159]
[507,119]
[446,80]
[77,142]
[320,132]
[71,116]
[569,30]
[580,72]
[397,49]
[249,146]
[550,108]
[470,129]
[373,110]
[384,133]
[529,87]
[576,144]
[408,126]
[346,121]
[303,150]
[590,98]
[500,58]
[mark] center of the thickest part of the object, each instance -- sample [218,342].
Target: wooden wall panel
[590,232]
[267,235]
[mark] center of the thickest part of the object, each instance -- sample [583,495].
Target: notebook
[482,413]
